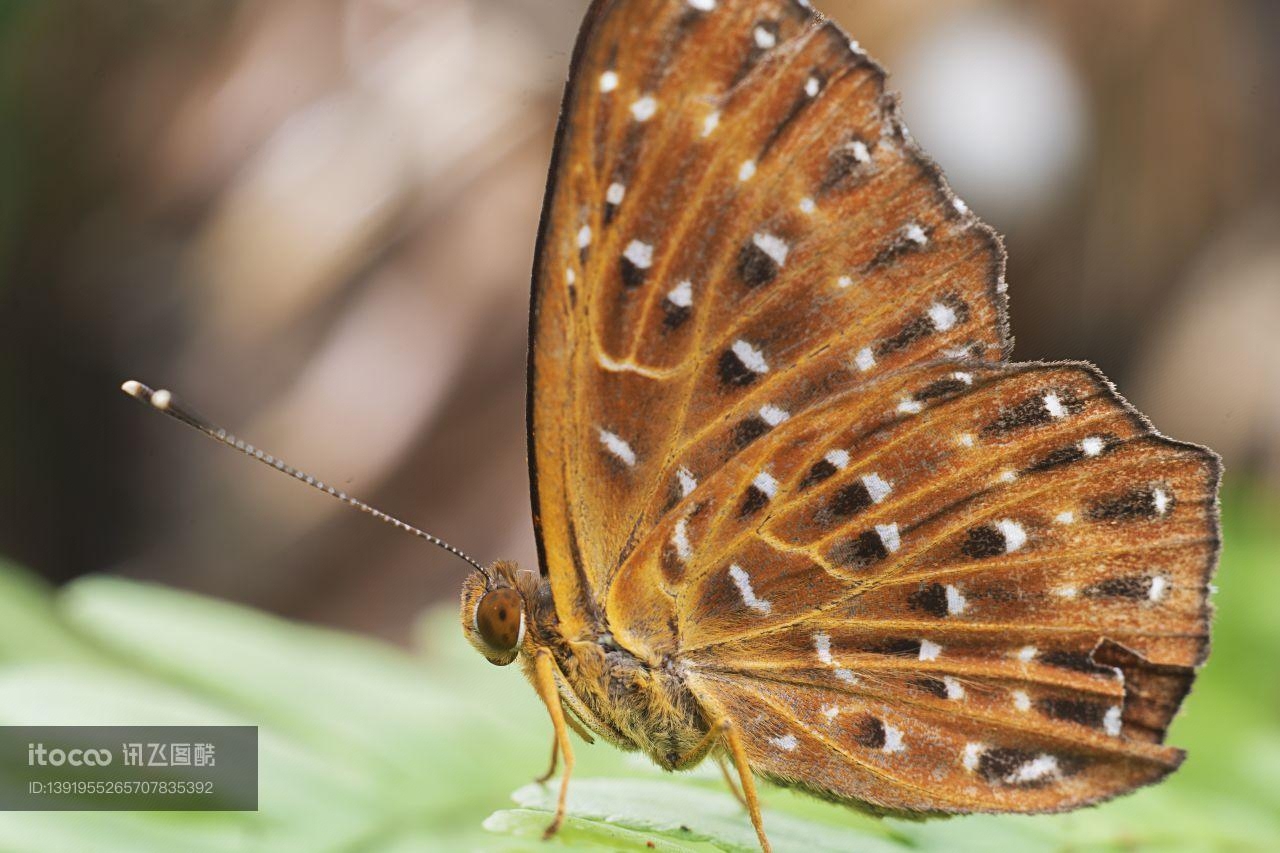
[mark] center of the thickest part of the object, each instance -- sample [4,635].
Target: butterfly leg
[739,755]
[545,682]
[555,755]
[728,780]
[725,732]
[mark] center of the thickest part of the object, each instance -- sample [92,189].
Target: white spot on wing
[942,316]
[764,38]
[893,739]
[786,742]
[1093,445]
[1015,536]
[687,481]
[845,281]
[915,234]
[773,246]
[743,581]
[889,536]
[772,415]
[1065,517]
[1034,770]
[681,295]
[812,86]
[910,407]
[752,359]
[955,690]
[608,81]
[822,644]
[830,712]
[1054,406]
[860,152]
[955,600]
[965,439]
[680,539]
[865,359]
[839,458]
[615,193]
[709,123]
[644,108]
[807,205]
[703,5]
[746,170]
[765,482]
[1159,585]
[1026,654]
[584,236]
[972,752]
[1111,721]
[929,650]
[960,206]
[846,676]
[618,447]
[1021,700]
[639,253]
[876,487]
[570,276]
[1160,499]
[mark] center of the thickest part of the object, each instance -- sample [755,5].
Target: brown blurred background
[315,219]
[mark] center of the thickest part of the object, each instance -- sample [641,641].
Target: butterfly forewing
[776,446]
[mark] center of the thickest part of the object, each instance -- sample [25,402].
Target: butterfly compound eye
[500,619]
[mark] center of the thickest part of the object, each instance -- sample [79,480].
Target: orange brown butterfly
[796,511]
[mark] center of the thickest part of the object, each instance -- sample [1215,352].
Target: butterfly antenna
[165,403]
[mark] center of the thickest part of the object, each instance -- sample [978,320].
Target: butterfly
[796,510]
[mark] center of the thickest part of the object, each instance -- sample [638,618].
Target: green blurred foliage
[364,748]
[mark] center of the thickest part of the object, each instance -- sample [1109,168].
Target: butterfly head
[494,613]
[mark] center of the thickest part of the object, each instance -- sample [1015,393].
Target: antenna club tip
[161,399]
[132,387]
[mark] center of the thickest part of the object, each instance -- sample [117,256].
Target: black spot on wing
[982,542]
[752,502]
[1033,411]
[847,501]
[1076,661]
[915,330]
[821,470]
[941,388]
[1081,711]
[935,687]
[673,315]
[932,599]
[861,551]
[733,371]
[748,430]
[755,267]
[999,765]
[1135,505]
[1125,586]
[901,647]
[868,731]
[893,251]
[844,164]
[632,275]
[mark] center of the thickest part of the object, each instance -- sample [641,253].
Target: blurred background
[315,220]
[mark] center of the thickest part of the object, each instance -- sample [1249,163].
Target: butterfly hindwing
[1015,630]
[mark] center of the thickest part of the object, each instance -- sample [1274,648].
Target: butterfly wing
[773,438]
[736,226]
[997,602]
